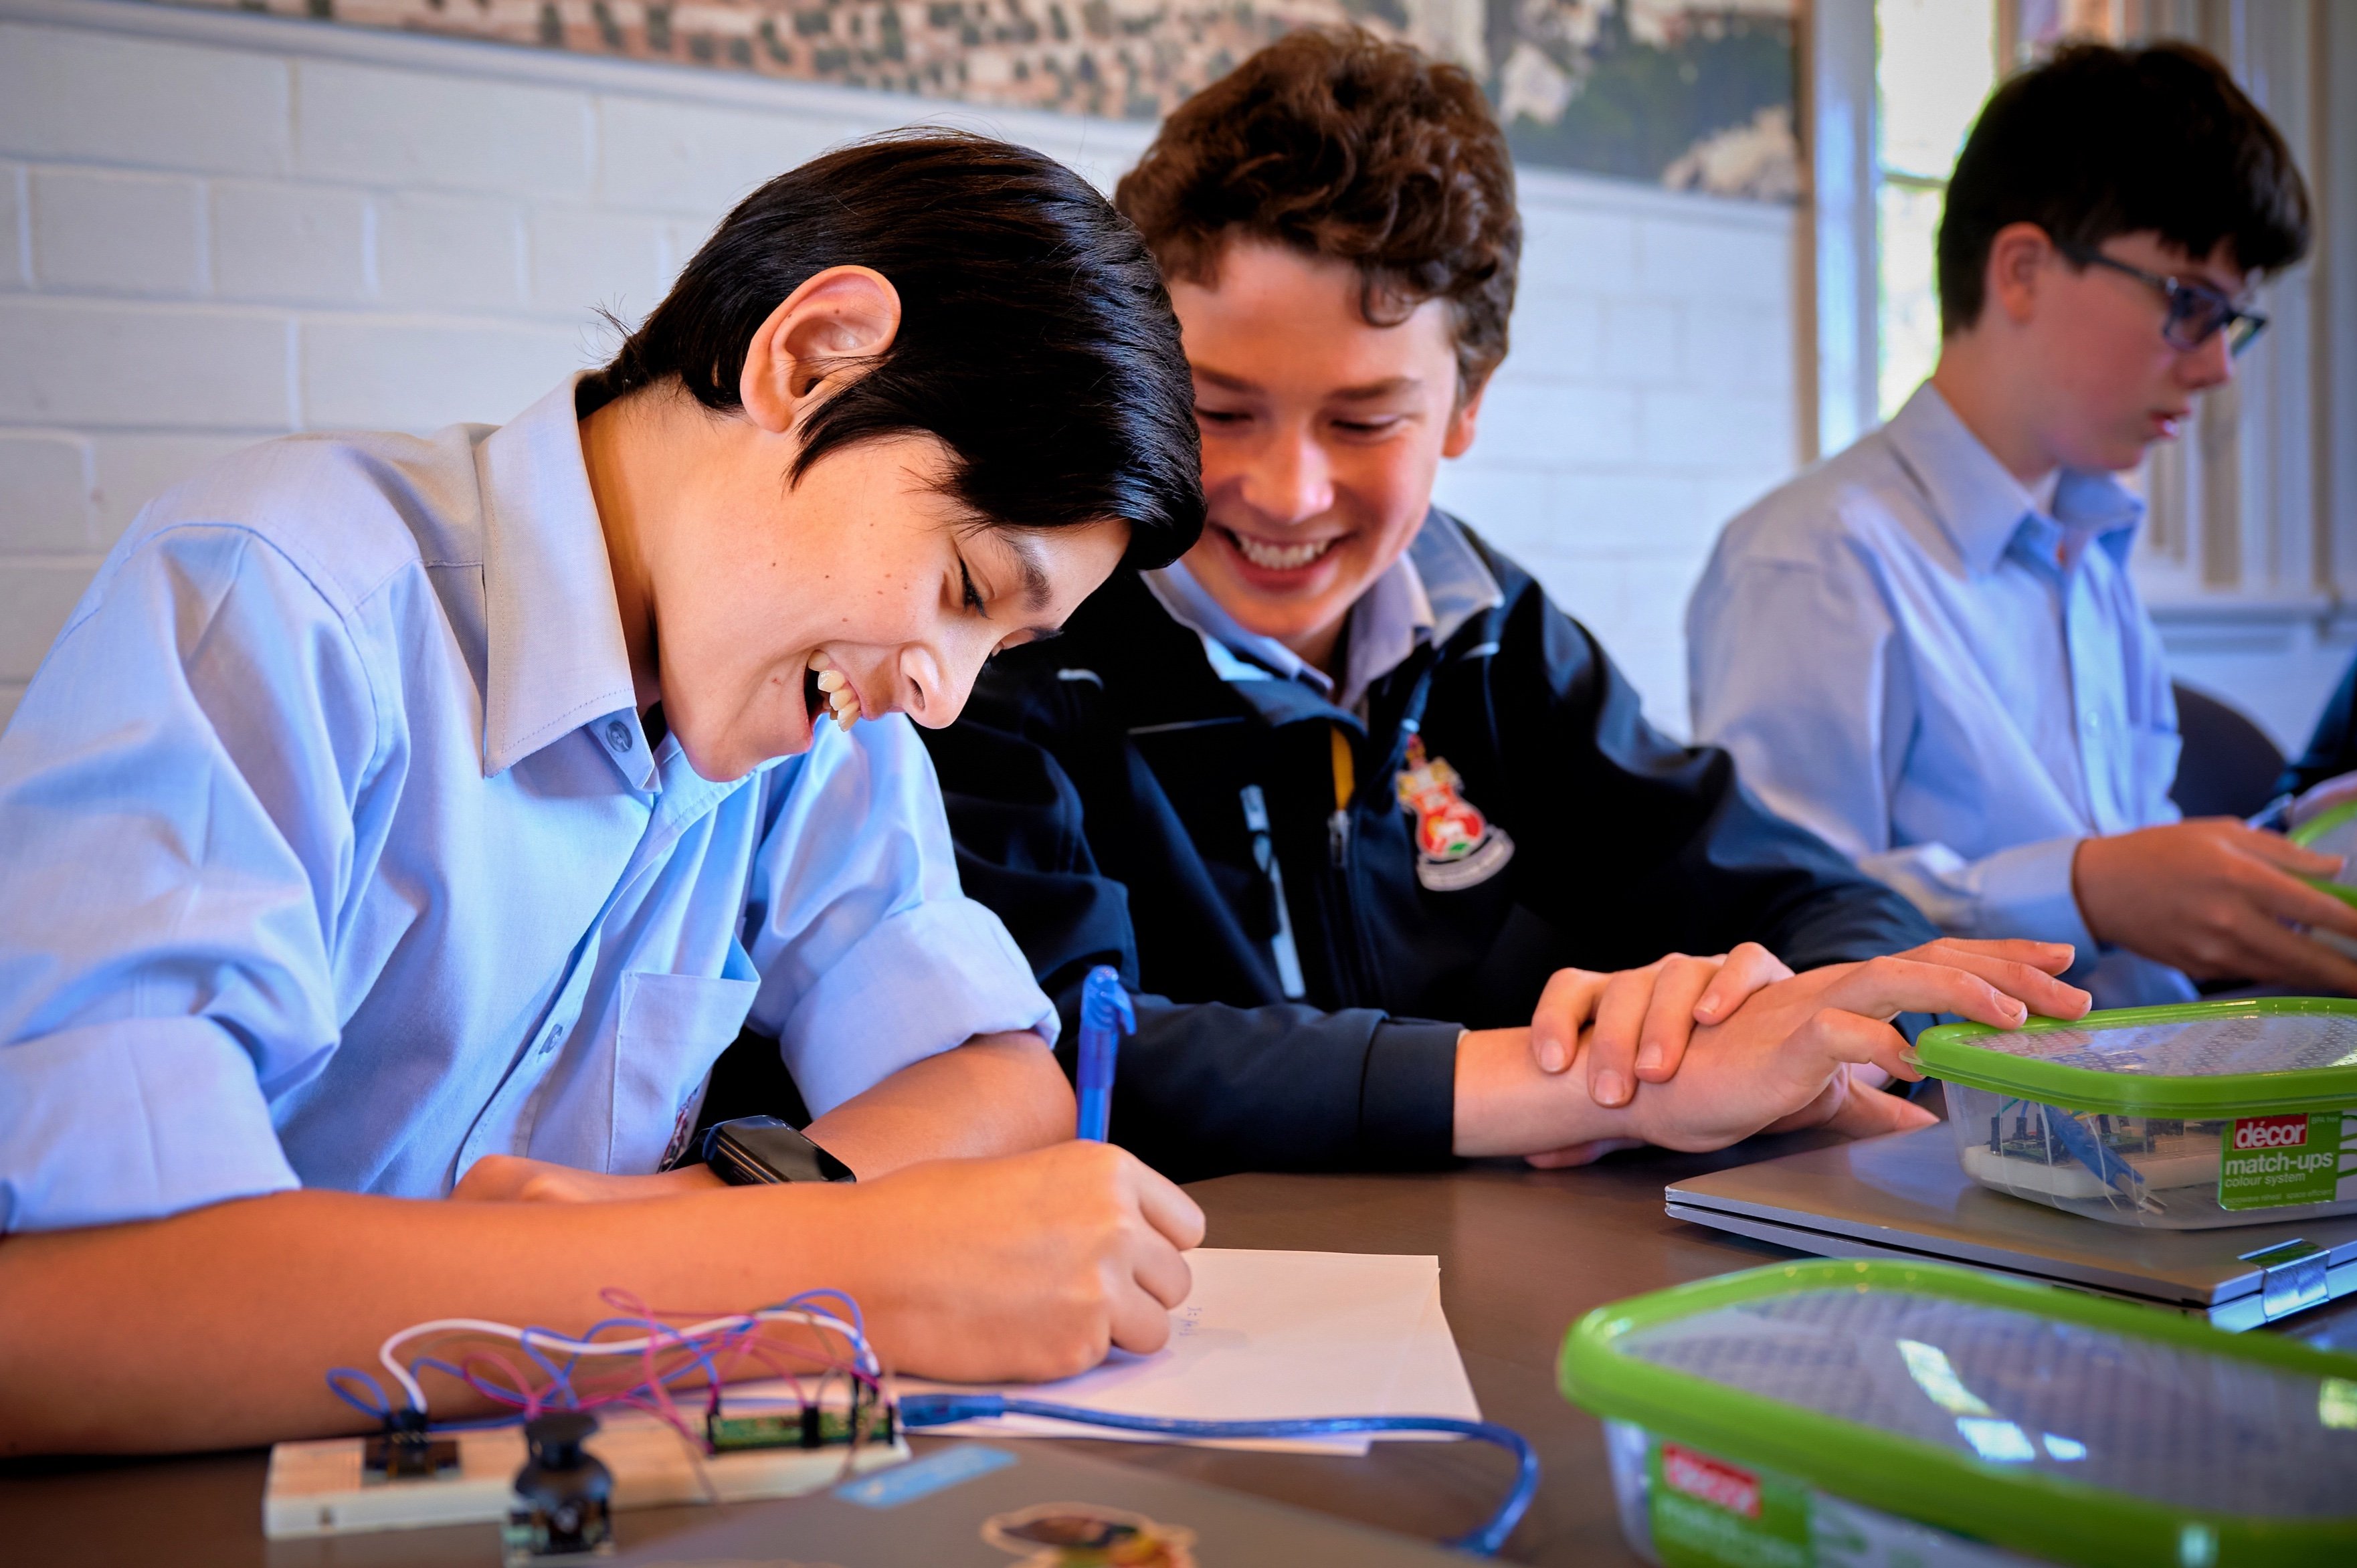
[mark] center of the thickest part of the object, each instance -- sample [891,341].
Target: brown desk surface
[1523,1253]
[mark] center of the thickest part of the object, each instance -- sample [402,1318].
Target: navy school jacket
[1117,801]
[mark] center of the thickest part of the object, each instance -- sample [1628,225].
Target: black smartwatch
[753,1150]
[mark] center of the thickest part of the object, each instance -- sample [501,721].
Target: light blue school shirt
[1954,686]
[332,854]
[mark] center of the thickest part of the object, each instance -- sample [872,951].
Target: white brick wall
[215,228]
[97,232]
[291,243]
[1650,393]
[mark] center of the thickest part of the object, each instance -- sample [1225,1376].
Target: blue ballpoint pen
[1105,1016]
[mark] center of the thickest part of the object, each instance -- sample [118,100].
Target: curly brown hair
[1339,143]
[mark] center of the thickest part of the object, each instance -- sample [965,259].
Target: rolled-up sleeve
[871,957]
[132,1119]
[176,796]
[2021,891]
[1800,677]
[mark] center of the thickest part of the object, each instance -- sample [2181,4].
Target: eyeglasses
[2196,311]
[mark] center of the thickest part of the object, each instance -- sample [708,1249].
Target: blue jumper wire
[939,1410]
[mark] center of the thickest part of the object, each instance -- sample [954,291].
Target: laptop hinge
[2292,1275]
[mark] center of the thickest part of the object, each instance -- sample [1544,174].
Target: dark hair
[2099,142]
[1036,339]
[1339,143]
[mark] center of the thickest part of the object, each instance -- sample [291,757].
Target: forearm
[996,1094]
[1505,1105]
[215,1327]
[1205,1089]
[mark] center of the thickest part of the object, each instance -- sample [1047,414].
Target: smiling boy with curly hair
[1343,769]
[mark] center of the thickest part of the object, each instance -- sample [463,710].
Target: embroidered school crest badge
[1456,845]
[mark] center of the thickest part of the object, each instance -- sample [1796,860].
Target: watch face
[755,1149]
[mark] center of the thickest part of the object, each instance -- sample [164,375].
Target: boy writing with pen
[400,827]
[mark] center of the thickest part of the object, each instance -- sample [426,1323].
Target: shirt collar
[1981,506]
[1225,642]
[556,656]
[1437,585]
[1391,620]
[1458,581]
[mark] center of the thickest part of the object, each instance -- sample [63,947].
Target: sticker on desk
[923,1477]
[1086,1535]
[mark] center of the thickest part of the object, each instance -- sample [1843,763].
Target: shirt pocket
[670,1030]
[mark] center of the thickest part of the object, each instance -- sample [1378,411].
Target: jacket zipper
[1346,785]
[1348,938]
[1281,947]
[1347,935]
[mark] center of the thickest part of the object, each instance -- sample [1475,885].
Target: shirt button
[555,1038]
[618,735]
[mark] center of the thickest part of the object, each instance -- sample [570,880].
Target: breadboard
[316,1488]
[2059,1179]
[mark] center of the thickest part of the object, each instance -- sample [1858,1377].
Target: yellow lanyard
[1345,770]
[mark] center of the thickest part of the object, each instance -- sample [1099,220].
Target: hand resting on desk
[1805,1051]
[1642,1018]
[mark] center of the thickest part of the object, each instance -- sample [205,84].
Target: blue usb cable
[939,1410]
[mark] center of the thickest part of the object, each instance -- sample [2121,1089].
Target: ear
[1461,421]
[840,314]
[2018,258]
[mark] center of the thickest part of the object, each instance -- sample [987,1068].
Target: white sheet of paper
[1274,1335]
[1432,1378]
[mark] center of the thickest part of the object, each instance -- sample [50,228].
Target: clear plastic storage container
[1838,1412]
[2206,1114]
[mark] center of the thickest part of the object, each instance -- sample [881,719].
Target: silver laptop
[1906,1196]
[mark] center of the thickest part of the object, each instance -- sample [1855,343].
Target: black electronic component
[405,1452]
[564,1497]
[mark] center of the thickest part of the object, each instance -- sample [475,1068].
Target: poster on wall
[1692,94]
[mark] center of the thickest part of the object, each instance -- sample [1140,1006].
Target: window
[1935,65]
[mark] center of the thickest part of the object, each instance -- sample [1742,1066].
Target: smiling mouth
[1278,557]
[828,694]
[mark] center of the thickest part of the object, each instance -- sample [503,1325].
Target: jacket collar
[1981,508]
[556,655]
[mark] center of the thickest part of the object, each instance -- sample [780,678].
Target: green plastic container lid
[2329,832]
[2044,1421]
[2202,1060]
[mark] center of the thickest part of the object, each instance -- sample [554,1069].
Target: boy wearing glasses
[1929,648]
